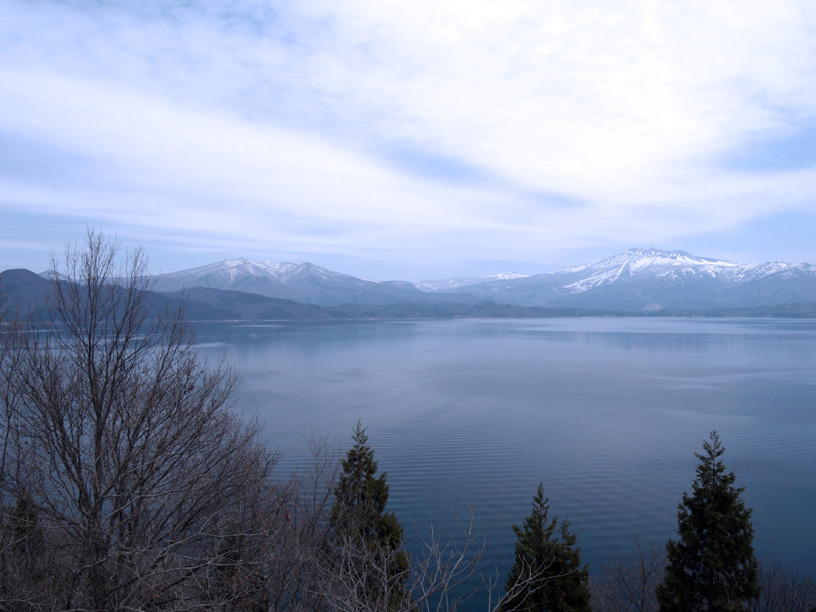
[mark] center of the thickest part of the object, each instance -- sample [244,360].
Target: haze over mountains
[638,281]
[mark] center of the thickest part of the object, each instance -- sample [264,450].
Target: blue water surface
[468,416]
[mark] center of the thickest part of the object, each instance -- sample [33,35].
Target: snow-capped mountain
[447,284]
[674,265]
[646,262]
[304,282]
[653,280]
[641,280]
[262,277]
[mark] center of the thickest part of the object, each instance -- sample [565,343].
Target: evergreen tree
[712,566]
[547,575]
[361,526]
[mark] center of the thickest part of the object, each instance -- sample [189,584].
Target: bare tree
[628,582]
[783,589]
[446,574]
[442,571]
[22,563]
[121,457]
[310,572]
[294,575]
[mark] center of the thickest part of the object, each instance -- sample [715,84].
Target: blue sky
[409,139]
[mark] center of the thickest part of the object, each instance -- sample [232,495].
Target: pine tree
[547,573]
[361,526]
[712,566]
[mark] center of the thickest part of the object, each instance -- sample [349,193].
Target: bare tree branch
[127,470]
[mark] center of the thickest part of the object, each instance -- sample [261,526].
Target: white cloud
[586,121]
[572,98]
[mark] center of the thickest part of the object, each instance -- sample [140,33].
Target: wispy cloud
[392,131]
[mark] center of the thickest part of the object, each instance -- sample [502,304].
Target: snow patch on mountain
[653,263]
[232,271]
[446,284]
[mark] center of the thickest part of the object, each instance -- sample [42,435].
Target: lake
[469,415]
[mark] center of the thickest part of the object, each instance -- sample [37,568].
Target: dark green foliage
[360,524]
[712,566]
[547,574]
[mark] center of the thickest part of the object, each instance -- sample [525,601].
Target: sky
[412,140]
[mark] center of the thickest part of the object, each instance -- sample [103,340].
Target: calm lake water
[469,415]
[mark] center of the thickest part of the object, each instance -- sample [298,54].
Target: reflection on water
[470,415]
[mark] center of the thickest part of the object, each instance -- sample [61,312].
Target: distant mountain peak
[233,270]
[305,282]
[651,279]
[646,256]
[645,262]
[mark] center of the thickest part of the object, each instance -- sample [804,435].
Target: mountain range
[639,281]
[651,280]
[304,282]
